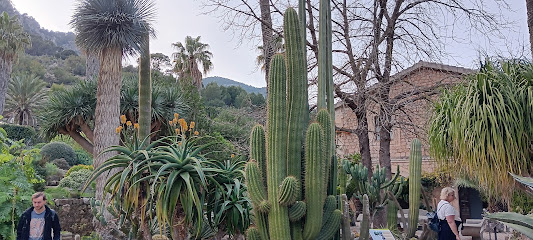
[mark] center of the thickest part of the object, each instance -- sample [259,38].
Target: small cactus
[415,173]
[365,223]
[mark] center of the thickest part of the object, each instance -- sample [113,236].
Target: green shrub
[76,179]
[56,150]
[57,193]
[61,163]
[78,168]
[522,202]
[18,132]
[83,157]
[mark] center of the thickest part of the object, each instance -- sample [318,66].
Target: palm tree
[188,58]
[277,47]
[111,29]
[485,128]
[25,93]
[13,40]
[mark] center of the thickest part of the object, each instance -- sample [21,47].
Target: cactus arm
[415,172]
[331,227]
[254,182]
[257,148]
[296,91]
[278,219]
[324,119]
[297,211]
[288,191]
[365,223]
[314,175]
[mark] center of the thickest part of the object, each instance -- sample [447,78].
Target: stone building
[412,121]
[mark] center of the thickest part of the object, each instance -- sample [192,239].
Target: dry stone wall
[75,215]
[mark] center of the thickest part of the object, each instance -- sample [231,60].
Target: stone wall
[75,215]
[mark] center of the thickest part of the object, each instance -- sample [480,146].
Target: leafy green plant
[18,132]
[232,212]
[57,192]
[78,168]
[76,179]
[57,150]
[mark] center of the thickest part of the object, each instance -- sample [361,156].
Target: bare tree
[373,40]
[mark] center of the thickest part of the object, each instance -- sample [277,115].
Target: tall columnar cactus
[365,223]
[281,200]
[392,216]
[415,173]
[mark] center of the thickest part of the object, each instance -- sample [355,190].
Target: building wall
[413,123]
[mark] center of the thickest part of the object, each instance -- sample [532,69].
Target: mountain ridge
[222,81]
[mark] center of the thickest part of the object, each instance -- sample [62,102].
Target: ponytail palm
[485,128]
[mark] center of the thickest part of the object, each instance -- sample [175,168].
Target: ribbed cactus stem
[314,175]
[253,234]
[324,119]
[296,91]
[257,148]
[365,223]
[288,191]
[392,215]
[331,227]
[276,136]
[415,174]
[254,182]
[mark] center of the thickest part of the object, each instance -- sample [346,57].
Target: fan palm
[189,57]
[485,129]
[25,93]
[13,40]
[111,29]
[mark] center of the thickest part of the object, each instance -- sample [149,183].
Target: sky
[176,19]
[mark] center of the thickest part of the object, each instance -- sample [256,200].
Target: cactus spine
[415,172]
[365,223]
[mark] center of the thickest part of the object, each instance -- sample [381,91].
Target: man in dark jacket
[37,222]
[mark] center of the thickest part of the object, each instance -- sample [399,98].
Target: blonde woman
[448,215]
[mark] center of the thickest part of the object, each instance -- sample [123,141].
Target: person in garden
[448,215]
[39,222]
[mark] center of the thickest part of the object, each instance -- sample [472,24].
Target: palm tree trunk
[6,65]
[107,116]
[529,7]
[145,93]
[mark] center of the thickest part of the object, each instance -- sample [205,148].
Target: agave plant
[517,221]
